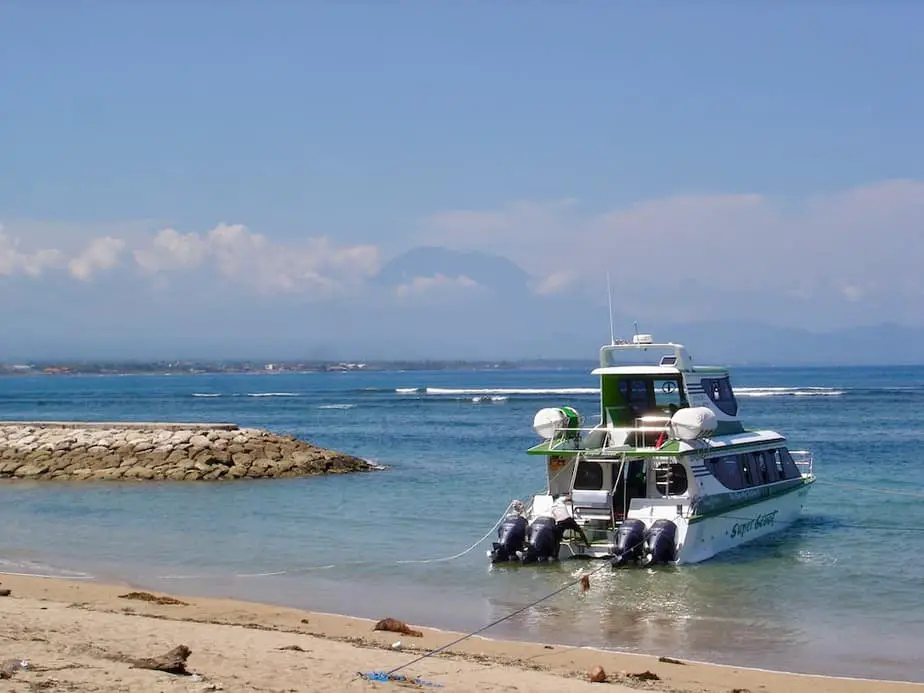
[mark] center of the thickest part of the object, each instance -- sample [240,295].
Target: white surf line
[48,577]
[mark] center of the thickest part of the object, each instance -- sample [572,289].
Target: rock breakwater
[160,451]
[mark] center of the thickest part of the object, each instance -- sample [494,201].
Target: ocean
[838,593]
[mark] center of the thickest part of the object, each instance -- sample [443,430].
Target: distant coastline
[194,367]
[215,367]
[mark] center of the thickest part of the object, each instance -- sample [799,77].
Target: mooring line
[502,618]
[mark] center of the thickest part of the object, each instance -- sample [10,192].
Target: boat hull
[722,531]
[701,538]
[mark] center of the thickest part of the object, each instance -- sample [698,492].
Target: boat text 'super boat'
[668,475]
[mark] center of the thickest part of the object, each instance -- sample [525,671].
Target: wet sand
[80,636]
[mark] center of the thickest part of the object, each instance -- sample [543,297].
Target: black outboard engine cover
[629,541]
[543,541]
[511,536]
[660,545]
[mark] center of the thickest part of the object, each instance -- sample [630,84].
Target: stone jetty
[55,450]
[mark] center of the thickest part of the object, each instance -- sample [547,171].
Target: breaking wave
[788,392]
[508,391]
[272,394]
[245,394]
[336,406]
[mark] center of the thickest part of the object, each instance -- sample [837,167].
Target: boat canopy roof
[643,351]
[636,370]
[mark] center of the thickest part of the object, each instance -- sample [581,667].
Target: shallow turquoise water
[809,599]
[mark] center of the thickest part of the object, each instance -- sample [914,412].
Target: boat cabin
[643,384]
[621,459]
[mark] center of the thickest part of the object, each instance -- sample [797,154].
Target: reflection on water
[686,610]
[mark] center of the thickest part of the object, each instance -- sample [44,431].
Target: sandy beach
[84,636]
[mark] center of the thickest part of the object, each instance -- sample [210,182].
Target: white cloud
[313,266]
[703,256]
[310,267]
[171,250]
[438,284]
[556,282]
[13,261]
[100,254]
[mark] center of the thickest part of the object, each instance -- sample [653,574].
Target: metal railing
[804,460]
[583,438]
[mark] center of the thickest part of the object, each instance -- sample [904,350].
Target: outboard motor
[543,541]
[629,542]
[511,536]
[660,545]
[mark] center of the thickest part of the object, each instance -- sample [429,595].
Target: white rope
[470,548]
[291,571]
[328,566]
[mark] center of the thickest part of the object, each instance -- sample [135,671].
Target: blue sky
[758,155]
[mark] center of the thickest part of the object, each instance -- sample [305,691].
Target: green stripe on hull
[736,500]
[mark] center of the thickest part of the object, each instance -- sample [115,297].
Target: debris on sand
[153,598]
[9,667]
[172,662]
[393,625]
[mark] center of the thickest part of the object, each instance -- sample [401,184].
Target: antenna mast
[609,298]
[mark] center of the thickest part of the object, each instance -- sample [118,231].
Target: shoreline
[45,615]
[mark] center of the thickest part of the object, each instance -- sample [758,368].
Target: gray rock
[199,441]
[168,451]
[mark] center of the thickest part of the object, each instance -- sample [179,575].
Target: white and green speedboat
[668,475]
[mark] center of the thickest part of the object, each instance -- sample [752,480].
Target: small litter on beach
[385,677]
[644,676]
[670,660]
[11,666]
[5,592]
[292,648]
[597,675]
[393,625]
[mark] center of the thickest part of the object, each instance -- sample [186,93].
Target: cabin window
[765,470]
[672,478]
[778,464]
[589,476]
[635,393]
[719,390]
[747,470]
[727,470]
[792,471]
[667,393]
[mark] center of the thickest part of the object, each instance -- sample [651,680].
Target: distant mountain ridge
[493,272]
[493,316]
[572,327]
